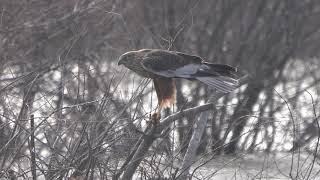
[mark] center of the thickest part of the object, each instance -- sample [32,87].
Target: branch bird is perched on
[163,65]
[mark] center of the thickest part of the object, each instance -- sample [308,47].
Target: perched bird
[163,65]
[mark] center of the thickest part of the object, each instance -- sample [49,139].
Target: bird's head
[131,58]
[126,58]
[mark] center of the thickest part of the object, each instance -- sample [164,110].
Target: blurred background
[68,110]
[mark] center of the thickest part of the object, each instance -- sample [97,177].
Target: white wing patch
[183,72]
[186,71]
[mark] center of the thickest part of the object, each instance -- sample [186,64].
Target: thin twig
[32,149]
[318,139]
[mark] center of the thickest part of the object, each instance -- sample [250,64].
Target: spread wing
[179,65]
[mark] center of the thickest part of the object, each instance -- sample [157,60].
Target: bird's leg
[156,116]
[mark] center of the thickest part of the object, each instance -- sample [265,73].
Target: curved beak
[120,61]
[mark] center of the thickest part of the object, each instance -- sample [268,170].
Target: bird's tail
[166,91]
[220,76]
[223,69]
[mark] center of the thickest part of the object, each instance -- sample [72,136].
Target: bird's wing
[179,65]
[171,64]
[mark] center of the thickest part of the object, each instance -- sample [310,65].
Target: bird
[163,66]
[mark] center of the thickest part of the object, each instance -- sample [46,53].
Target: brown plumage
[162,66]
[166,91]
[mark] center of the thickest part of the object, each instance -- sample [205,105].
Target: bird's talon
[155,118]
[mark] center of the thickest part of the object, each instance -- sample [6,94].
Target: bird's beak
[120,61]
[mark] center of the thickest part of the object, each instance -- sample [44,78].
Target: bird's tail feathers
[221,83]
[223,69]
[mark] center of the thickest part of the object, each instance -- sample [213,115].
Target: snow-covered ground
[260,166]
[277,166]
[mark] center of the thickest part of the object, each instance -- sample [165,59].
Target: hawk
[163,65]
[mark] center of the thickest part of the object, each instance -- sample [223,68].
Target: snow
[259,166]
